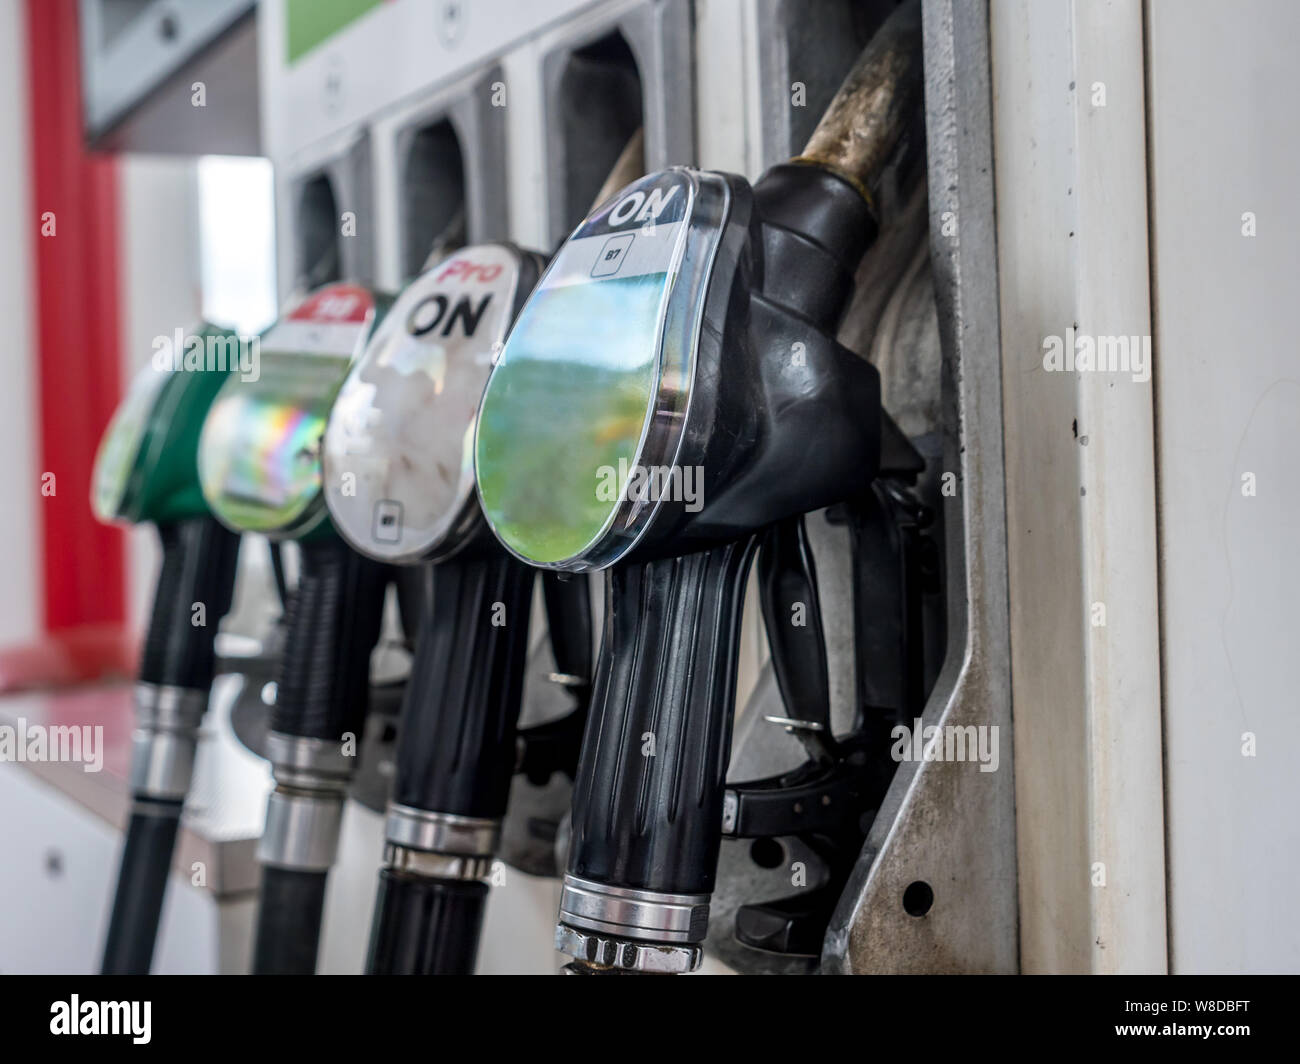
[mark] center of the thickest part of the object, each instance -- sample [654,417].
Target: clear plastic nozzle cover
[121,450]
[259,455]
[594,379]
[399,473]
[145,464]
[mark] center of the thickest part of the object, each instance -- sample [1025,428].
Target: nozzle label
[398,467]
[571,397]
[332,321]
[259,456]
[638,235]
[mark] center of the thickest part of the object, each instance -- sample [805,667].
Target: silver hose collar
[446,833]
[644,915]
[619,955]
[306,763]
[165,740]
[437,865]
[302,829]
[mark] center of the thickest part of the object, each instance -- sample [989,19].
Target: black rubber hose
[426,926]
[647,802]
[198,569]
[332,626]
[141,884]
[289,916]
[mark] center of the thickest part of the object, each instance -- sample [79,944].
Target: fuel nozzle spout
[874,106]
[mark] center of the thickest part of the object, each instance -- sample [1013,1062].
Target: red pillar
[78,335]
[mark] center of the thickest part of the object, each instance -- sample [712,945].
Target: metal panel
[581,133]
[1072,255]
[1226,249]
[946,823]
[401,50]
[140,61]
[480,130]
[310,223]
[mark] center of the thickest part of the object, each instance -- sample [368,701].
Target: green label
[309,22]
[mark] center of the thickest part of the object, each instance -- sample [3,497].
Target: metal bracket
[935,887]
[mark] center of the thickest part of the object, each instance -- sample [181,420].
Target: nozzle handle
[194,591]
[567,598]
[647,803]
[461,705]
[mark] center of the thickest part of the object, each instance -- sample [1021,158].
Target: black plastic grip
[198,567]
[647,803]
[332,626]
[461,707]
[141,884]
[567,598]
[787,583]
[426,926]
[288,921]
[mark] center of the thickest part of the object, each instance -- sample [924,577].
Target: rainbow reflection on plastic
[259,458]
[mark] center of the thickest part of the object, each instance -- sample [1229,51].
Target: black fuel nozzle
[193,593]
[145,473]
[400,489]
[672,390]
[455,760]
[322,695]
[260,471]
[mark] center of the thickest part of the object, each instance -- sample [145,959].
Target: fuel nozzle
[671,390]
[400,487]
[145,474]
[260,467]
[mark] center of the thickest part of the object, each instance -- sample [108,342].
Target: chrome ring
[437,865]
[300,761]
[639,914]
[165,740]
[302,830]
[445,833]
[163,707]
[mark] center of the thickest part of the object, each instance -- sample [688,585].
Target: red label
[469,271]
[335,304]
